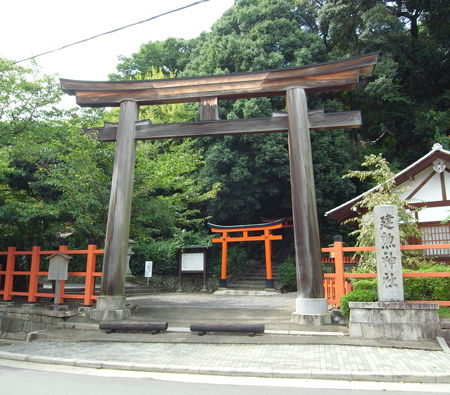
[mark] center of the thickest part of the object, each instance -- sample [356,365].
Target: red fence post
[34,276]
[10,262]
[223,273]
[339,269]
[90,269]
[64,249]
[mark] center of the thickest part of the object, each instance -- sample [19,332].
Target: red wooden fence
[7,274]
[336,284]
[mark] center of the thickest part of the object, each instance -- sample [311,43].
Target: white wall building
[424,184]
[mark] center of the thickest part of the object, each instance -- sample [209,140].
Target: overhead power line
[112,31]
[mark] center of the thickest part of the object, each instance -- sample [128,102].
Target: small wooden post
[62,284]
[209,109]
[34,274]
[10,262]
[57,272]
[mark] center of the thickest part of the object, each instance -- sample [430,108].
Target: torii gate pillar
[111,303]
[311,305]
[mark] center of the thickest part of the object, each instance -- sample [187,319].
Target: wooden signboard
[193,259]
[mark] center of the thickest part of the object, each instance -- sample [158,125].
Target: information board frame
[193,260]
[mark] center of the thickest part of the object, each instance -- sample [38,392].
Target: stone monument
[391,317]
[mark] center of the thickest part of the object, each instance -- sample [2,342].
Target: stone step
[248,287]
[258,277]
[249,282]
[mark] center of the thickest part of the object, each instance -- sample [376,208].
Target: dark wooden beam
[278,123]
[316,78]
[247,89]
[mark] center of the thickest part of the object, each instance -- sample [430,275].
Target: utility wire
[112,31]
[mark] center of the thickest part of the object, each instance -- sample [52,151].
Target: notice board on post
[193,259]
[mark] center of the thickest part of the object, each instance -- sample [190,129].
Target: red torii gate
[267,236]
[208,90]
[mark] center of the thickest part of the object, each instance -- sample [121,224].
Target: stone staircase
[255,279]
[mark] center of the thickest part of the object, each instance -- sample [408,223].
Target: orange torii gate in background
[267,236]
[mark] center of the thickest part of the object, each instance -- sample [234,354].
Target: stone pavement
[283,351]
[323,361]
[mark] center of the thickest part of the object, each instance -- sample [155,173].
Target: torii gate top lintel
[337,75]
[237,228]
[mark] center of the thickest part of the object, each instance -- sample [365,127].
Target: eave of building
[344,211]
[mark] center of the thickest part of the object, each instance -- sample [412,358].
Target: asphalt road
[23,378]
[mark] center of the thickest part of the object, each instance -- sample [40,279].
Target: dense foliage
[404,103]
[415,288]
[55,180]
[428,288]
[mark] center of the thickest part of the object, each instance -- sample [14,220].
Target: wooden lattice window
[436,234]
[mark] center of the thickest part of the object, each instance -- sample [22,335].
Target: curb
[179,329]
[409,377]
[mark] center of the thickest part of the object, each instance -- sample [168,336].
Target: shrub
[444,312]
[164,252]
[370,285]
[427,288]
[287,273]
[361,295]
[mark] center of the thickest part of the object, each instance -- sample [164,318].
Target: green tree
[60,183]
[171,56]
[384,192]
[27,112]
[405,102]
[254,170]
[252,35]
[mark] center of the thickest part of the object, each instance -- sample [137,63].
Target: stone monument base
[109,308]
[394,320]
[311,311]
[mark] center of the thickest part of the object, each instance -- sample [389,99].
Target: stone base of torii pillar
[311,311]
[110,308]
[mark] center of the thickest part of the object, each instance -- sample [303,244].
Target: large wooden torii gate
[208,90]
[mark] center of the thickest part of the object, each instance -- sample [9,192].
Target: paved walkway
[330,355]
[264,360]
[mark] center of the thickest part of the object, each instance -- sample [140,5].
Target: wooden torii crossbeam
[238,233]
[317,119]
[208,90]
